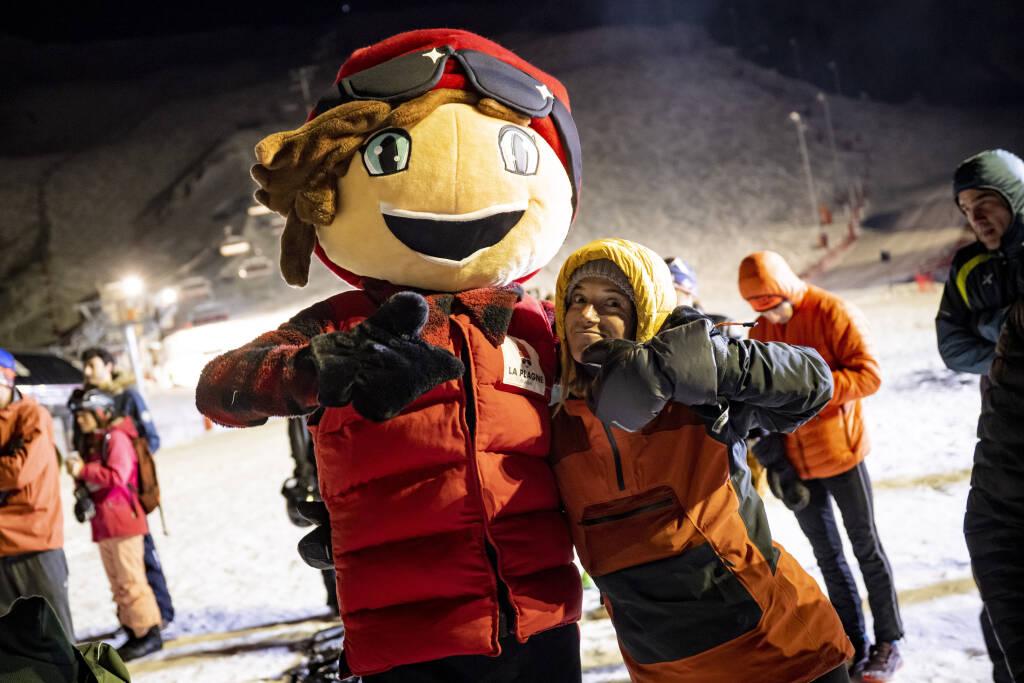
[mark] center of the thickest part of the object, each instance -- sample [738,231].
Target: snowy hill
[687,148]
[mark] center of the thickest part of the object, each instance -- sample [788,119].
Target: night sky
[942,51]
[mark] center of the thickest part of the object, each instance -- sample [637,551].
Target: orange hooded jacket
[835,440]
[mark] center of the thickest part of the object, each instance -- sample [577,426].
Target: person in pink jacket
[109,469]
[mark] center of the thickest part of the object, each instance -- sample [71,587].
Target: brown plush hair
[298,170]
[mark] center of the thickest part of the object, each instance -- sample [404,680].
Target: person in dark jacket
[981,283]
[994,523]
[303,488]
[649,454]
[989,188]
[100,373]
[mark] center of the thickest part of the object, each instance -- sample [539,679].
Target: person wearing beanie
[439,173]
[823,460]
[32,560]
[684,281]
[649,454]
[980,327]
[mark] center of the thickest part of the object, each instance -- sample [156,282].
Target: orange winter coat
[835,440]
[30,516]
[697,589]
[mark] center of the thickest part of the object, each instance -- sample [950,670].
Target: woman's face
[597,310]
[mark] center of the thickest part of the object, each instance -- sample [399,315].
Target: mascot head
[439,161]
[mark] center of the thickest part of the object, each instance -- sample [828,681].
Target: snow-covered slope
[686,148]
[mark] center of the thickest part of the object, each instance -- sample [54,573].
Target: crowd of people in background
[111,424]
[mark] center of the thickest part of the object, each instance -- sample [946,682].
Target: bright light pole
[133,290]
[831,138]
[799,123]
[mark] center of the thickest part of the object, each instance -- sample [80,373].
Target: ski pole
[163,520]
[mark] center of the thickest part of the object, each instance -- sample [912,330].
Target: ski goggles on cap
[409,76]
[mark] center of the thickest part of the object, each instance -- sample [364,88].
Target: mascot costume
[441,172]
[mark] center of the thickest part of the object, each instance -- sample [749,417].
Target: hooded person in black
[982,280]
[981,329]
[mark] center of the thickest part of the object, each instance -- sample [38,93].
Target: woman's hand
[74,466]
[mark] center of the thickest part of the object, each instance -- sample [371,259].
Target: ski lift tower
[126,305]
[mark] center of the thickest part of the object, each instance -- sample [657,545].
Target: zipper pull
[722,420]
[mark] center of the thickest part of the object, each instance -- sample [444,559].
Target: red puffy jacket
[438,511]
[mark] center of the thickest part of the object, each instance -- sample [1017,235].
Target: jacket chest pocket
[678,607]
[633,530]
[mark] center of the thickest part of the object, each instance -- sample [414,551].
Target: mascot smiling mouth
[450,237]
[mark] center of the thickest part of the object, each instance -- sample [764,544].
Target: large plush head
[440,161]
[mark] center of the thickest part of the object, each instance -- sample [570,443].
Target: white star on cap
[434,55]
[544,92]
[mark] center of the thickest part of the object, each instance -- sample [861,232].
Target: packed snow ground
[243,596]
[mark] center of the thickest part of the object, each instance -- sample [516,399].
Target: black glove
[635,381]
[381,365]
[85,509]
[770,450]
[785,483]
[793,493]
[626,391]
[315,547]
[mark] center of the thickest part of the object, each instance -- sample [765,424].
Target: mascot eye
[518,151]
[387,152]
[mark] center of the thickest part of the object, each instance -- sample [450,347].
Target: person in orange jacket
[823,460]
[32,560]
[649,454]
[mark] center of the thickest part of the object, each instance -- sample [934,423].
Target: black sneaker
[134,648]
[885,659]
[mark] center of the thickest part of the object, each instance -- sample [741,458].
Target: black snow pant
[156,580]
[549,656]
[996,560]
[44,573]
[852,493]
[331,586]
[836,675]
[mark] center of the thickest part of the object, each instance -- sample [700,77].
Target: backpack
[148,491]
[149,487]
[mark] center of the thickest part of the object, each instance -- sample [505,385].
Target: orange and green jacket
[835,440]
[665,518]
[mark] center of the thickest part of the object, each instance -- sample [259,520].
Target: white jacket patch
[522,367]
